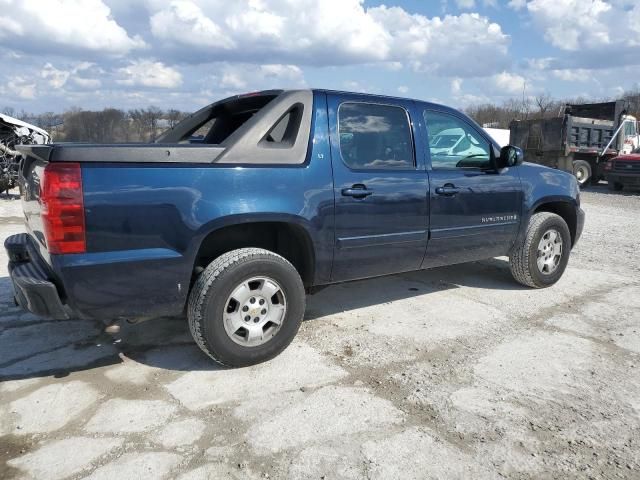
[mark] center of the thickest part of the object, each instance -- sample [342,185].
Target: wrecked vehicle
[15,132]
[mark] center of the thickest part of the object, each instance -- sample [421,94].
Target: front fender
[543,185]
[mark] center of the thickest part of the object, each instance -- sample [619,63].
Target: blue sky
[59,54]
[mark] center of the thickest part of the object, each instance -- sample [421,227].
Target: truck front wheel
[582,171]
[540,260]
[246,307]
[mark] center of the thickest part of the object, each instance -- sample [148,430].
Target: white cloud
[183,22]
[456,86]
[328,32]
[87,83]
[466,4]
[573,74]
[148,73]
[54,77]
[78,25]
[331,30]
[509,83]
[285,72]
[467,45]
[58,78]
[21,87]
[235,77]
[355,86]
[585,26]
[517,4]
[232,79]
[403,89]
[542,63]
[468,99]
[469,4]
[572,24]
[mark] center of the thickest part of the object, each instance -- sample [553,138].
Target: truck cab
[629,135]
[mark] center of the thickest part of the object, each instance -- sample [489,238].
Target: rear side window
[375,137]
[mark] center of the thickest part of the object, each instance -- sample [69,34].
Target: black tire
[582,172]
[212,289]
[523,259]
[614,186]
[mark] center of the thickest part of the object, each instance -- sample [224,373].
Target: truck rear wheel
[246,307]
[582,171]
[541,259]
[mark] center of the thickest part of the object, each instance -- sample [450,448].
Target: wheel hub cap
[550,251]
[254,311]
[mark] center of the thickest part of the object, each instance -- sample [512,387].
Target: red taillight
[63,208]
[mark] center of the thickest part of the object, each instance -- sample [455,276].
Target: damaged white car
[15,132]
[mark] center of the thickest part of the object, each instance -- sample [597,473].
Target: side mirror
[510,156]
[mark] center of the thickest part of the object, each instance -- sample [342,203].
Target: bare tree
[544,102]
[174,116]
[151,117]
[137,123]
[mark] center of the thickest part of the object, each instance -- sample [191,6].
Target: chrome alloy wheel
[549,252]
[254,311]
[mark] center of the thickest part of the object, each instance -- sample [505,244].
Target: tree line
[541,106]
[113,125]
[110,125]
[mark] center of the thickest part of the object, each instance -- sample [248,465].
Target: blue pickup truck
[283,192]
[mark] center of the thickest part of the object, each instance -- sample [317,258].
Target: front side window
[375,137]
[453,143]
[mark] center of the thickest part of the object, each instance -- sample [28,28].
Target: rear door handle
[357,191]
[448,190]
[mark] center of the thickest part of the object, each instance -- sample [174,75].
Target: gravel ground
[451,373]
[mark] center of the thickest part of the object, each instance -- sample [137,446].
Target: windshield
[630,128]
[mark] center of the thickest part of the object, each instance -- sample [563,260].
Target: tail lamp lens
[63,208]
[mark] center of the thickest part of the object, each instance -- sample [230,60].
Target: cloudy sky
[186,53]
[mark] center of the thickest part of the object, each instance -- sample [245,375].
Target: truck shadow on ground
[9,196]
[31,347]
[604,190]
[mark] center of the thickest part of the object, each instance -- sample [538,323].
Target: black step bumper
[34,290]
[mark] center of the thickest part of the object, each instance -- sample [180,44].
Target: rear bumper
[33,288]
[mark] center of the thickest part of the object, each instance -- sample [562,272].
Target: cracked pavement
[456,372]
